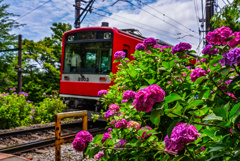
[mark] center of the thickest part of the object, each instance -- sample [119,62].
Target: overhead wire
[33,10]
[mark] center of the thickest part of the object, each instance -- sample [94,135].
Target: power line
[224,2]
[32,10]
[156,17]
[136,22]
[169,17]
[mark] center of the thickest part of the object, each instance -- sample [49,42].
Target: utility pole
[77,12]
[209,14]
[19,63]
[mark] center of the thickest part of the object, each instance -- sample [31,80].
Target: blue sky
[172,21]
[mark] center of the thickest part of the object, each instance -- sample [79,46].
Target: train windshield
[88,57]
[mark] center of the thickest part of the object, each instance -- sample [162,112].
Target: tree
[228,16]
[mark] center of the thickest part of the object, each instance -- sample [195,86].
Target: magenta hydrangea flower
[228,82]
[181,47]
[124,101]
[203,60]
[140,46]
[147,97]
[121,143]
[145,129]
[164,47]
[28,101]
[218,36]
[99,155]
[79,144]
[181,135]
[209,51]
[236,41]
[106,135]
[109,113]
[133,124]
[109,129]
[198,72]
[114,108]
[44,94]
[149,42]
[112,122]
[119,55]
[121,123]
[31,117]
[85,136]
[14,92]
[129,94]
[101,92]
[189,67]
[231,57]
[157,46]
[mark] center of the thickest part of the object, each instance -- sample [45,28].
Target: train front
[86,62]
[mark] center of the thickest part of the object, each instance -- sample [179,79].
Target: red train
[87,59]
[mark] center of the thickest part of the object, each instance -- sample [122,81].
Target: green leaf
[195,103]
[94,151]
[212,117]
[216,148]
[166,65]
[172,97]
[215,60]
[170,128]
[177,109]
[208,133]
[151,81]
[200,79]
[220,111]
[235,112]
[225,71]
[155,116]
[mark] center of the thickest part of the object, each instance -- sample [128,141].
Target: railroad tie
[20,141]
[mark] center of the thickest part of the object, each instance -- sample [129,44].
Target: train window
[126,49]
[88,57]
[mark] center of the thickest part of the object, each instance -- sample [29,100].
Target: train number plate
[83,79]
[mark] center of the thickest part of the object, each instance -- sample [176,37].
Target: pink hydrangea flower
[147,97]
[124,101]
[113,122]
[145,129]
[218,36]
[198,72]
[109,113]
[181,135]
[99,155]
[133,124]
[101,92]
[85,136]
[121,123]
[129,94]
[114,108]
[79,144]
[121,143]
[106,136]
[236,41]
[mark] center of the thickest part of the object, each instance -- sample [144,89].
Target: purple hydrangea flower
[44,94]
[99,155]
[236,41]
[101,92]
[13,88]
[147,97]
[231,57]
[209,51]
[133,124]
[121,123]
[140,46]
[145,129]
[106,135]
[28,101]
[10,89]
[157,46]
[85,136]
[149,42]
[198,72]
[119,55]
[228,82]
[26,94]
[129,94]
[180,136]
[114,108]
[109,113]
[31,117]
[181,47]
[121,143]
[79,144]
[14,92]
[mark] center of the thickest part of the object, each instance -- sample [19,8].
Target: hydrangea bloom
[181,135]
[106,135]
[145,98]
[129,94]
[121,123]
[124,101]
[113,122]
[232,57]
[79,144]
[198,72]
[149,42]
[157,46]
[119,55]
[99,155]
[228,82]
[133,124]
[109,129]
[236,41]
[114,108]
[145,129]
[85,136]
[121,143]
[109,113]
[164,47]
[101,92]
[217,36]
[140,46]
[181,47]
[207,50]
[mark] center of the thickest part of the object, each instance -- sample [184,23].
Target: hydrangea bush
[171,109]
[17,110]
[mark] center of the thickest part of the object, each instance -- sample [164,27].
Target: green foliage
[17,110]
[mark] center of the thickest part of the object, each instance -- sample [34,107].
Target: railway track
[27,140]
